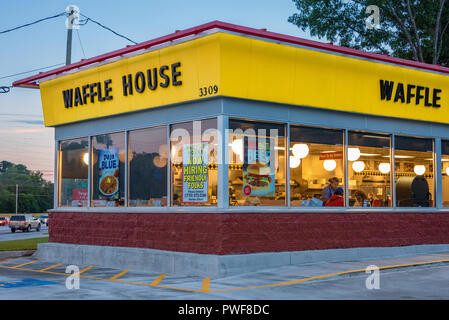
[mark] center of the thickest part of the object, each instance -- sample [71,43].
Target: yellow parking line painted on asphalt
[329,275]
[118,275]
[157,280]
[206,285]
[206,281]
[24,264]
[56,265]
[84,270]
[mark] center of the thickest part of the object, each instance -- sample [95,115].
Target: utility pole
[71,22]
[17,195]
[68,55]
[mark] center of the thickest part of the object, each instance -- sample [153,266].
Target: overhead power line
[82,22]
[6,89]
[81,44]
[37,21]
[18,74]
[103,26]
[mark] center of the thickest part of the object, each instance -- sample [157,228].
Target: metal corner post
[89,172]
[223,159]
[345,166]
[438,174]
[168,166]
[126,168]
[393,171]
[56,193]
[287,166]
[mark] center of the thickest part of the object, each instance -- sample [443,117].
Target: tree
[35,194]
[4,165]
[409,29]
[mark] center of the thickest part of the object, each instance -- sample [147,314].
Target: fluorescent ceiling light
[400,157]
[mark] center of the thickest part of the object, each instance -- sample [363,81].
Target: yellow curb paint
[118,275]
[24,264]
[56,265]
[157,280]
[206,285]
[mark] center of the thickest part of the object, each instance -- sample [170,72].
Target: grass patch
[24,244]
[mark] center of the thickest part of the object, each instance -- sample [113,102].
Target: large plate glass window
[316,167]
[73,173]
[369,170]
[148,167]
[445,171]
[414,172]
[108,170]
[194,163]
[256,163]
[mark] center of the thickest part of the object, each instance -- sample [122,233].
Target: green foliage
[35,194]
[409,29]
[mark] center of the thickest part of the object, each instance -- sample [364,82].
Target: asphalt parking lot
[404,278]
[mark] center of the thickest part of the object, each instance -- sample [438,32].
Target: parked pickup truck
[24,222]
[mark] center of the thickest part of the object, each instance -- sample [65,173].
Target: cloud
[37,122]
[21,115]
[18,131]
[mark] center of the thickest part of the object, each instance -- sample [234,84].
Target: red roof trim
[233,28]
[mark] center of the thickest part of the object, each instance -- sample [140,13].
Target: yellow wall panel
[199,66]
[254,69]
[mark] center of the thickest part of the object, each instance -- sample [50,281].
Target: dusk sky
[24,139]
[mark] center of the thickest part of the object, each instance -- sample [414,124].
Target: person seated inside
[360,197]
[336,200]
[329,190]
[176,200]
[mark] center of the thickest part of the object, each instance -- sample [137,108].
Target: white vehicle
[24,222]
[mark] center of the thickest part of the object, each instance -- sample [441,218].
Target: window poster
[108,162]
[258,167]
[195,172]
[80,197]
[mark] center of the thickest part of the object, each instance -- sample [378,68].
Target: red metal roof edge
[263,33]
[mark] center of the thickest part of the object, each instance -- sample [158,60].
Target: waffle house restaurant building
[221,140]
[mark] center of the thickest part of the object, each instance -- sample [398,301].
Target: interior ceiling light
[384,167]
[329,165]
[86,158]
[419,169]
[369,154]
[358,166]
[237,146]
[300,150]
[399,157]
[294,162]
[353,154]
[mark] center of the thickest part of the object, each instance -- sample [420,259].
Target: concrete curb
[16,254]
[209,265]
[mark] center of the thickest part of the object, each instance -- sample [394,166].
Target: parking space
[420,277]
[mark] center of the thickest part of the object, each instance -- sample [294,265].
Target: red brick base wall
[231,233]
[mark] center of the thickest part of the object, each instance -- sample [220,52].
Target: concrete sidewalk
[407,277]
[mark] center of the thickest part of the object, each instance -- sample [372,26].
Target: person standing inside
[328,192]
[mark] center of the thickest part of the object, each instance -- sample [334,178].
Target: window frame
[286,126]
[223,171]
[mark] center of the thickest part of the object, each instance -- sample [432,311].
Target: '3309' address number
[208,91]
